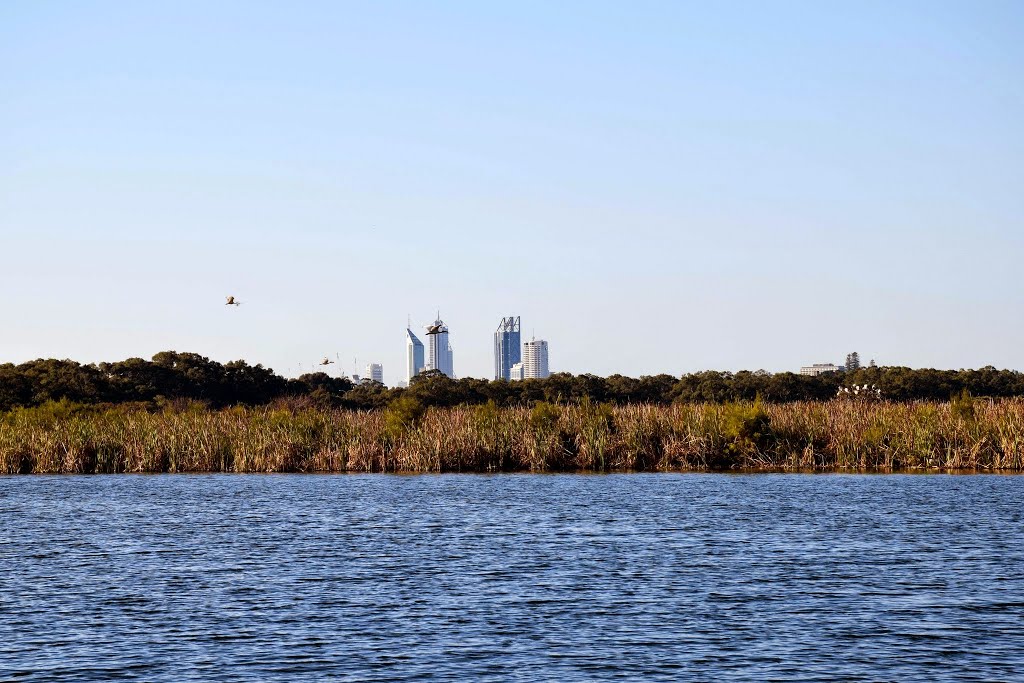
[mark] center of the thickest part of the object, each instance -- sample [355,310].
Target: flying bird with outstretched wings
[231,302]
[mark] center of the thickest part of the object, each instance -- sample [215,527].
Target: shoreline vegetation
[966,434]
[182,412]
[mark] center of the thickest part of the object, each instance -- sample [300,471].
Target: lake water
[512,577]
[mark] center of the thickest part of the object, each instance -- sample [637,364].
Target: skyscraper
[535,359]
[375,372]
[439,353]
[507,348]
[413,355]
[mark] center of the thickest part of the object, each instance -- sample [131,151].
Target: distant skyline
[715,185]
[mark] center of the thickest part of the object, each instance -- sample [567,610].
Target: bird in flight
[231,302]
[326,361]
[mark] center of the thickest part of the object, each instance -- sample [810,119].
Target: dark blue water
[526,578]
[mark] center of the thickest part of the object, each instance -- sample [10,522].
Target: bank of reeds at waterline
[966,434]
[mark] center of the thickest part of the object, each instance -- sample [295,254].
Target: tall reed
[851,436]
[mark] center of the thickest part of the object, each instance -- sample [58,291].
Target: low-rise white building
[515,371]
[820,369]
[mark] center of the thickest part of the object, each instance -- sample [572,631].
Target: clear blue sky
[652,186]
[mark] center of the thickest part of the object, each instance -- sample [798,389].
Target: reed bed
[843,436]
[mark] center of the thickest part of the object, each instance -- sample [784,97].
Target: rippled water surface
[495,578]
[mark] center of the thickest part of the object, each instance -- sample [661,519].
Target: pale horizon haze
[653,186]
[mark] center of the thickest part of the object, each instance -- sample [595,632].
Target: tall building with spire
[507,347]
[413,355]
[535,359]
[439,350]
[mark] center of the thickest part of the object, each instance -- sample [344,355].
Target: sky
[653,186]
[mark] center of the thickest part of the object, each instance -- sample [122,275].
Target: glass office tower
[413,355]
[439,351]
[507,347]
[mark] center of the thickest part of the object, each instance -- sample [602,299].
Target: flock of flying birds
[232,301]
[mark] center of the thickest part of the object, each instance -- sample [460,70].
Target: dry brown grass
[988,435]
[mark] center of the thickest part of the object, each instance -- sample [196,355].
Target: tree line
[176,377]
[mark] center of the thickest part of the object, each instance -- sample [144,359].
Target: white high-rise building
[535,359]
[439,352]
[375,372]
[413,355]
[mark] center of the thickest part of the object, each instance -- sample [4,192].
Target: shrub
[404,413]
[748,428]
[962,406]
